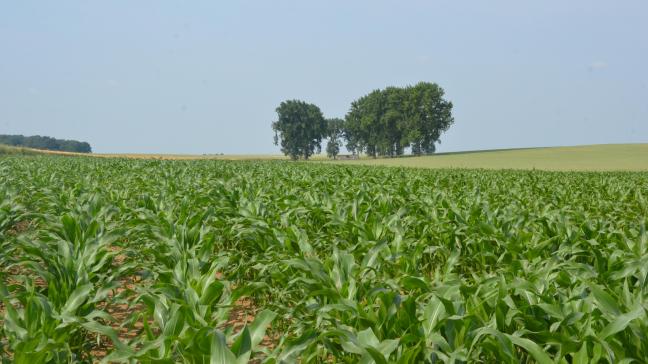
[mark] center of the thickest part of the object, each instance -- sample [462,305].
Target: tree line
[45,142]
[384,122]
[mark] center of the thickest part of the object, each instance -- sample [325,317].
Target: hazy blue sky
[206,76]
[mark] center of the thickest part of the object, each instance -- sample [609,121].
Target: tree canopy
[385,122]
[299,128]
[45,142]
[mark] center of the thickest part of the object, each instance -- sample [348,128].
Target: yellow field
[602,157]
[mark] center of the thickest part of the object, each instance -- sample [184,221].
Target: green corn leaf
[76,299]
[211,293]
[243,343]
[367,338]
[386,347]
[374,354]
[259,326]
[621,322]
[294,347]
[581,357]
[433,312]
[414,283]
[607,304]
[532,348]
[93,326]
[219,352]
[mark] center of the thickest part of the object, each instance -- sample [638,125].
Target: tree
[335,128]
[362,128]
[385,122]
[299,129]
[429,115]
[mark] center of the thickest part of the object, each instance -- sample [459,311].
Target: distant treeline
[45,142]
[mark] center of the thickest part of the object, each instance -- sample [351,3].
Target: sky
[204,77]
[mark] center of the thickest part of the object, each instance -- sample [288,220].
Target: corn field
[134,261]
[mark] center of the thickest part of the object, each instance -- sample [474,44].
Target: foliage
[45,142]
[279,262]
[385,122]
[335,129]
[299,129]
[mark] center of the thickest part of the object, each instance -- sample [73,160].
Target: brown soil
[121,312]
[243,313]
[17,270]
[19,228]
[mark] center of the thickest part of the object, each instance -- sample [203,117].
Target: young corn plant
[186,307]
[52,308]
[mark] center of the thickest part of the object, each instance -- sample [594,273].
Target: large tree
[428,115]
[299,129]
[385,122]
